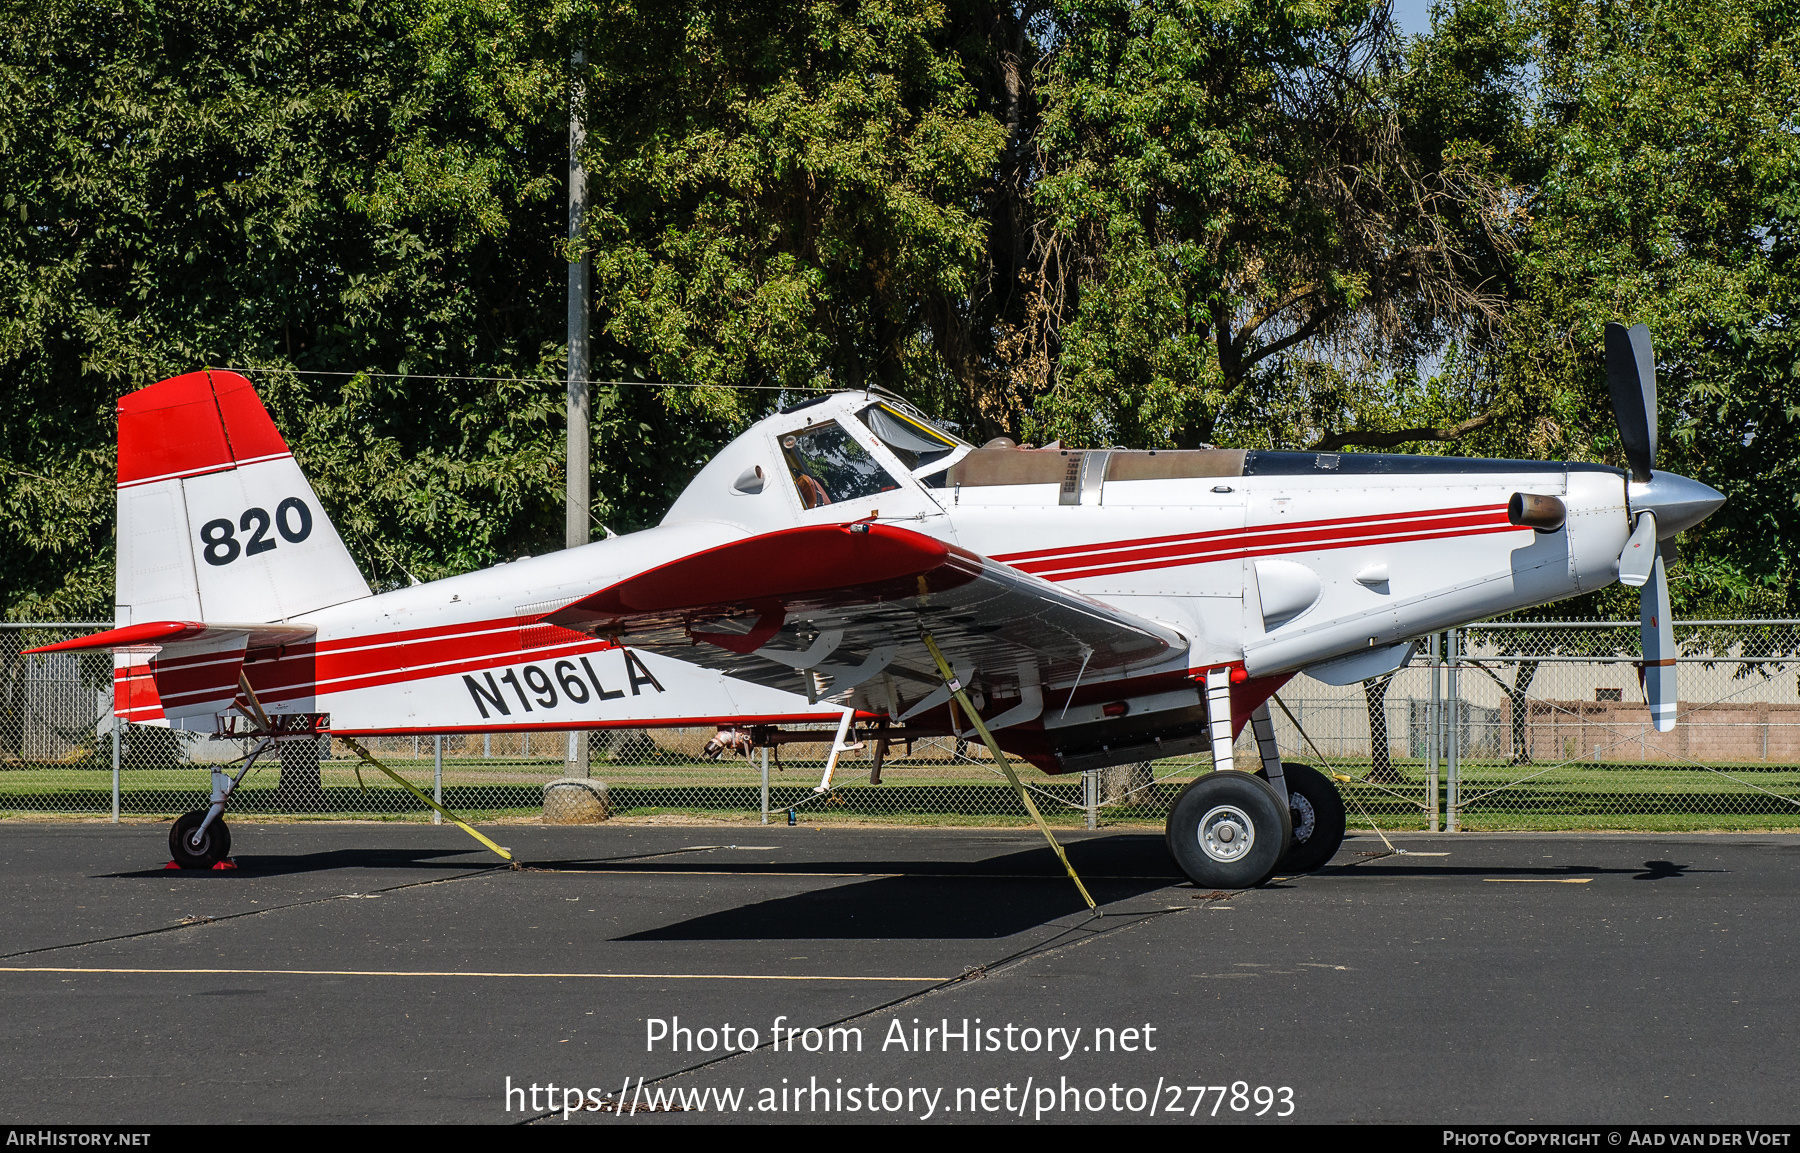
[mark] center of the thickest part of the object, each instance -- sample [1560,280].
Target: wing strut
[993,747]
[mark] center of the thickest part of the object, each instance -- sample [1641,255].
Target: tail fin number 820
[292,520]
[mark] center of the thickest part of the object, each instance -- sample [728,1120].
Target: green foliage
[1665,169]
[778,188]
[1253,213]
[281,184]
[1253,222]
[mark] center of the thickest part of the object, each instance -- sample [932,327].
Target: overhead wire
[520,379]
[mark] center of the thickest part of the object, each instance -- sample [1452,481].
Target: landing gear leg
[1228,829]
[1316,810]
[200,839]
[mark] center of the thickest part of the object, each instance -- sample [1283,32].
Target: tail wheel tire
[214,846]
[1318,816]
[1228,830]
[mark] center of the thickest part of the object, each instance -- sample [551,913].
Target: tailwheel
[1318,816]
[214,846]
[1228,830]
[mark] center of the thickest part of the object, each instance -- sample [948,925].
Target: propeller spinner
[1661,504]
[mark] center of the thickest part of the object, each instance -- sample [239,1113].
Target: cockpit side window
[916,442]
[828,466]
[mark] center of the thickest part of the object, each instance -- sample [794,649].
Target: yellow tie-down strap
[987,738]
[407,785]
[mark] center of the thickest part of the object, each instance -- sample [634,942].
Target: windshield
[828,466]
[915,441]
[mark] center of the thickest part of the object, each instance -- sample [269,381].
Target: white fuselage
[1292,562]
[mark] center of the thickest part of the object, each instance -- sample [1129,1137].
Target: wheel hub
[1226,833]
[1306,817]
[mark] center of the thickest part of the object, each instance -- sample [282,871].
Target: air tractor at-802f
[847,560]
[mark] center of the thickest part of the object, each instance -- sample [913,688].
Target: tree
[276,185]
[1240,207]
[1666,194]
[1263,223]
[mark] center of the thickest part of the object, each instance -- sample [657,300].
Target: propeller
[1631,378]
[1661,505]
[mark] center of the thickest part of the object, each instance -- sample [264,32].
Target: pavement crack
[552,866]
[196,922]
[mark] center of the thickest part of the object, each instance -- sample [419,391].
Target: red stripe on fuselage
[359,662]
[1174,538]
[629,723]
[1114,557]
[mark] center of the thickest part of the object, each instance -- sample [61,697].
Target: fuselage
[1278,562]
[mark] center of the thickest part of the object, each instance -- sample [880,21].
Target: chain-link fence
[1498,726]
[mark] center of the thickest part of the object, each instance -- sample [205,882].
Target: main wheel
[214,846]
[1318,816]
[1228,830]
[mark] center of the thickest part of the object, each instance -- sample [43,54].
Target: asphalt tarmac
[393,973]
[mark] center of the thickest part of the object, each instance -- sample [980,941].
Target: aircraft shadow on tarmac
[1650,871]
[987,899]
[429,860]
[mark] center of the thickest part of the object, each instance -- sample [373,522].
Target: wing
[839,611]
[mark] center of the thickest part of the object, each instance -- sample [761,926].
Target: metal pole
[765,784]
[575,531]
[1433,717]
[578,472]
[437,777]
[116,726]
[1090,796]
[1453,802]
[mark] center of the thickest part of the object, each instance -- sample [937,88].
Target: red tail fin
[193,424]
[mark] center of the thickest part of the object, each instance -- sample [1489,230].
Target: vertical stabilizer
[216,522]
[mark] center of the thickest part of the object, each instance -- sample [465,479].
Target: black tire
[1228,830]
[214,847]
[1317,813]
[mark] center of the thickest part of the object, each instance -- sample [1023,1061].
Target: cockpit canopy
[828,465]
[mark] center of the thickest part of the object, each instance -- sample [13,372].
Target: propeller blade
[1657,632]
[1631,378]
[1640,554]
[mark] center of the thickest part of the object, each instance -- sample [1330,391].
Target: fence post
[765,784]
[116,726]
[437,776]
[1090,796]
[1433,717]
[1453,701]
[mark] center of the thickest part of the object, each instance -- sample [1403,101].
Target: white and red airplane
[1097,607]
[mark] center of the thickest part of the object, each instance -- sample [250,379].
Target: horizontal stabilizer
[180,634]
[194,671]
[171,670]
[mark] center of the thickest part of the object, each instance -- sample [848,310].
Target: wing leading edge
[837,611]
